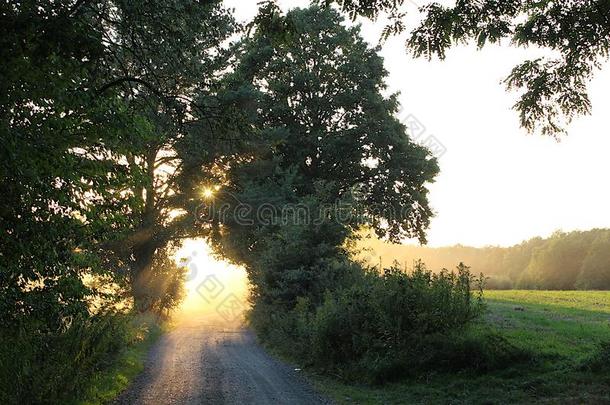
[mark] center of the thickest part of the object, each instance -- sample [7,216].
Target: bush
[54,367]
[284,324]
[286,332]
[384,326]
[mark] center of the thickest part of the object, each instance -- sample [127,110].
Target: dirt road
[204,361]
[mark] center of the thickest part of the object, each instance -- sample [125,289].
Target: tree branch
[128,79]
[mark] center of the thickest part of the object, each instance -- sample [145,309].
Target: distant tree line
[578,260]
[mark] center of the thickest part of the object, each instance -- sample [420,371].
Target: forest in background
[578,260]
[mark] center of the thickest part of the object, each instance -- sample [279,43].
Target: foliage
[325,128]
[40,367]
[538,360]
[109,111]
[595,269]
[382,326]
[142,331]
[385,323]
[108,140]
[326,122]
[554,89]
[189,121]
[287,327]
[96,132]
[114,117]
[47,116]
[89,362]
[164,285]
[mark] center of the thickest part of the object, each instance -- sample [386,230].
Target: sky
[498,184]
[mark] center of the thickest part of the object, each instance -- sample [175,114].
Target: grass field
[561,330]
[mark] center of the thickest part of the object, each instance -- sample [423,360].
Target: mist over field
[578,260]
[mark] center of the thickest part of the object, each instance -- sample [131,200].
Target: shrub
[39,366]
[286,332]
[383,326]
[284,324]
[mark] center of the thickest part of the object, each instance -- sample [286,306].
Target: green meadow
[561,332]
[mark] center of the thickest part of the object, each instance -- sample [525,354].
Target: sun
[208,193]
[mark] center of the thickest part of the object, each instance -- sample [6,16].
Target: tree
[328,128]
[554,88]
[174,87]
[58,199]
[110,111]
[556,264]
[595,271]
[97,133]
[322,107]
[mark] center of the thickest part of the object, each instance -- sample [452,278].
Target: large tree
[577,32]
[329,130]
[106,109]
[109,110]
[188,121]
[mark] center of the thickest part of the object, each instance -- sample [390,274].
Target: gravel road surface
[204,361]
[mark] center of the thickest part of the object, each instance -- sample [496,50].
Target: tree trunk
[146,246]
[141,275]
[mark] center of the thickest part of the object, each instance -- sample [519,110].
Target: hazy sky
[498,185]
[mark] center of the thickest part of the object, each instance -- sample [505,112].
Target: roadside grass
[106,385]
[562,330]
